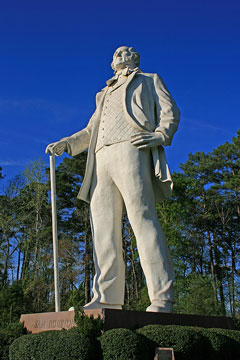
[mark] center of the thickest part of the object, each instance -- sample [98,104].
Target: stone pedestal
[122,319]
[35,323]
[136,319]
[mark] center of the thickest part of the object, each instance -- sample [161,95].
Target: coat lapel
[84,193]
[100,96]
[132,121]
[99,102]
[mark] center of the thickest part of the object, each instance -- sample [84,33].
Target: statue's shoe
[165,307]
[97,305]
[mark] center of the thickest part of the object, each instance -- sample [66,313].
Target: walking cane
[54,230]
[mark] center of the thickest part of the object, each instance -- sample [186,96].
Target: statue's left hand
[143,140]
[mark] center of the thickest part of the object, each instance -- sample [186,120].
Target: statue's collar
[126,72]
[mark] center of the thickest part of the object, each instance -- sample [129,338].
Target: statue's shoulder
[102,90]
[150,76]
[100,94]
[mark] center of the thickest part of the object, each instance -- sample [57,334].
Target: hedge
[186,341]
[123,344]
[54,345]
[192,342]
[235,336]
[84,343]
[223,343]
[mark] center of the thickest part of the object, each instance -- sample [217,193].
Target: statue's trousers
[122,176]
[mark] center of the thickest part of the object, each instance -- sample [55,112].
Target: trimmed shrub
[7,336]
[81,343]
[233,334]
[224,345]
[123,344]
[53,345]
[187,342]
[235,340]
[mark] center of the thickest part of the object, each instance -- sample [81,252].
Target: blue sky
[55,56]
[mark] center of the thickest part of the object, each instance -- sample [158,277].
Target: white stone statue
[135,117]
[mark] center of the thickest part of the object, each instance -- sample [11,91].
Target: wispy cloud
[13,163]
[203,124]
[20,163]
[56,111]
[23,136]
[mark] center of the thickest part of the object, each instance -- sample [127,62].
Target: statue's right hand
[57,148]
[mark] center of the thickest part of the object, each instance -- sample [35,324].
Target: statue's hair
[135,56]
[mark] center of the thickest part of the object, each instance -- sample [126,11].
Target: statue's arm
[74,144]
[78,142]
[167,112]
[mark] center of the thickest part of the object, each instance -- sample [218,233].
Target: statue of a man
[126,167]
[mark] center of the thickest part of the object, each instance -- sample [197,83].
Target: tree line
[200,221]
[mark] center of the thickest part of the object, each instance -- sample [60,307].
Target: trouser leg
[106,214]
[135,185]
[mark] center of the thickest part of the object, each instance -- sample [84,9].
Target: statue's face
[122,58]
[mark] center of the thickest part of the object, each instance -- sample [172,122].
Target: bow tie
[126,71]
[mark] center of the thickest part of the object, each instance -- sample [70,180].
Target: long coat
[148,106]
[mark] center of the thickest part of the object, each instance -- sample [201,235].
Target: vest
[114,127]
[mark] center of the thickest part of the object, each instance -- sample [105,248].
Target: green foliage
[76,298]
[87,325]
[26,270]
[8,334]
[233,343]
[195,295]
[140,303]
[75,241]
[53,345]
[222,345]
[81,343]
[187,342]
[13,302]
[143,301]
[4,346]
[133,271]
[123,344]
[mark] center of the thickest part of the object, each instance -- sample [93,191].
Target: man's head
[125,56]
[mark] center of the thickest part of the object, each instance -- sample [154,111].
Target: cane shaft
[54,232]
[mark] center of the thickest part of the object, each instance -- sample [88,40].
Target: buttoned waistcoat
[148,106]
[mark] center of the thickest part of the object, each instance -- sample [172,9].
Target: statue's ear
[112,66]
